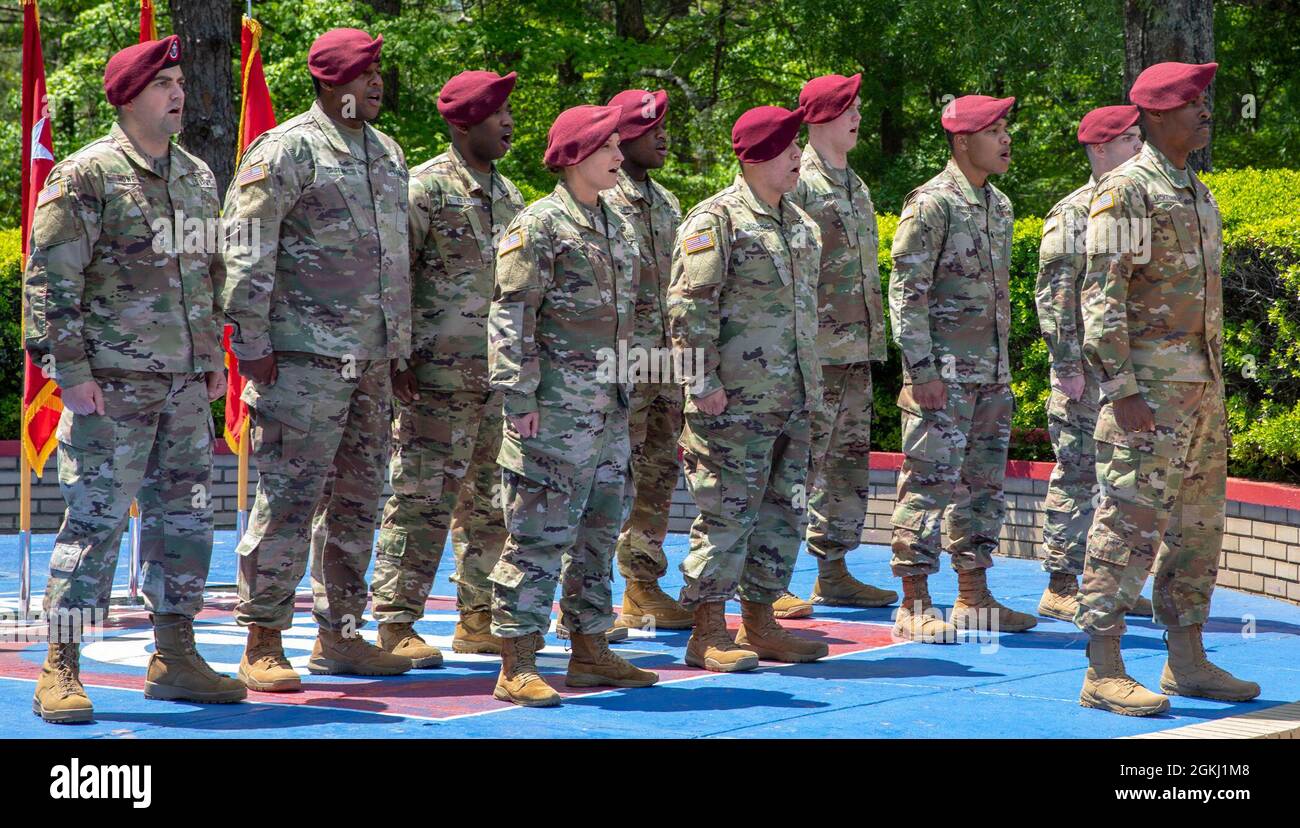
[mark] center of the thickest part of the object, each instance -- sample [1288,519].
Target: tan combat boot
[264,666]
[1061,597]
[711,648]
[976,608]
[351,655]
[643,600]
[760,632]
[836,587]
[1107,686]
[1141,608]
[177,672]
[917,619]
[474,634]
[593,665]
[59,697]
[519,681]
[403,640]
[614,633]
[790,605]
[1189,673]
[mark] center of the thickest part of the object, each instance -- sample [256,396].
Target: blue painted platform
[1003,686]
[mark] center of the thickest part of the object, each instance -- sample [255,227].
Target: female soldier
[561,308]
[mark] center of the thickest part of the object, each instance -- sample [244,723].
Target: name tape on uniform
[512,241]
[698,243]
[55,190]
[1102,203]
[254,173]
[464,201]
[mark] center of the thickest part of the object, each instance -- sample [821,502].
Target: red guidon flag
[42,403]
[148,26]
[255,117]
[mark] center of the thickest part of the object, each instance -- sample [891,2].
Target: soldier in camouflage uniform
[446,440]
[125,323]
[851,331]
[1153,332]
[950,302]
[1111,137]
[742,305]
[655,419]
[321,311]
[561,311]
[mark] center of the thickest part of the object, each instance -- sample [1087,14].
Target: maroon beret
[642,112]
[971,113]
[764,132]
[825,99]
[470,97]
[578,132]
[341,55]
[129,71]
[1106,123]
[1170,85]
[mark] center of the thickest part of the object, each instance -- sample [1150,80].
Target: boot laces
[268,650]
[66,666]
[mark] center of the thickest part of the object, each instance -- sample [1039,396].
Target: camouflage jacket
[562,307]
[106,284]
[454,229]
[744,296]
[1155,314]
[331,274]
[850,316]
[655,223]
[1062,261]
[949,291]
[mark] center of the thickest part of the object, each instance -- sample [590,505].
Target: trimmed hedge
[1261,282]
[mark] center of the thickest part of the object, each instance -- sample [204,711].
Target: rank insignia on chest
[55,190]
[512,241]
[698,243]
[1102,203]
[254,173]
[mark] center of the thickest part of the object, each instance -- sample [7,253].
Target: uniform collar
[963,185]
[334,134]
[575,210]
[178,164]
[630,189]
[466,173]
[755,203]
[1179,178]
[818,162]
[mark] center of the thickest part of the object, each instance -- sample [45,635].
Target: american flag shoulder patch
[512,241]
[908,212]
[698,243]
[1102,203]
[254,173]
[56,190]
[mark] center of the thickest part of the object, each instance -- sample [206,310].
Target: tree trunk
[207,58]
[1163,30]
[629,20]
[391,8]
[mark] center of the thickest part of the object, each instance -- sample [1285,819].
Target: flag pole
[241,484]
[25,507]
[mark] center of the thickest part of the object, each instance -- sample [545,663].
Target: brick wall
[1261,543]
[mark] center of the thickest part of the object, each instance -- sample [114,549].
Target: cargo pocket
[715,471]
[279,427]
[535,511]
[506,574]
[392,543]
[923,438]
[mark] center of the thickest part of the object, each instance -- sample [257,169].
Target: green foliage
[11,341]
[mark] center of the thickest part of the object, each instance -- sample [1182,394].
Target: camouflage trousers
[839,483]
[1070,490]
[747,474]
[319,436]
[954,460]
[1160,511]
[152,444]
[654,425]
[443,468]
[567,492]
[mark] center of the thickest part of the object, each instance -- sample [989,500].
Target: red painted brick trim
[1280,495]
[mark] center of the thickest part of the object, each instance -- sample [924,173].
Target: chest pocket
[460,234]
[336,220]
[126,211]
[759,258]
[1174,231]
[583,278]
